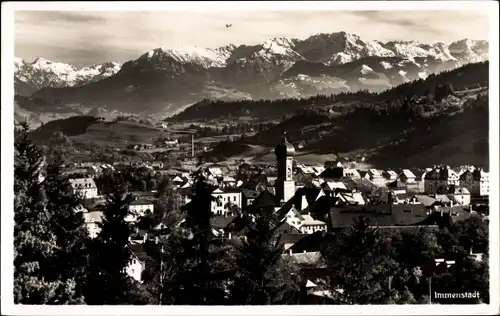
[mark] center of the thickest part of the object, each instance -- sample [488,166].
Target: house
[332,186]
[476,181]
[214,172]
[400,197]
[93,220]
[352,198]
[139,208]
[247,197]
[228,181]
[305,170]
[293,217]
[406,176]
[137,264]
[351,173]
[440,180]
[375,176]
[460,196]
[223,199]
[310,225]
[390,175]
[84,187]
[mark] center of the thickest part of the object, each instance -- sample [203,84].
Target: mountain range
[165,80]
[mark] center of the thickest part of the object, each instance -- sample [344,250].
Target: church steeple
[284,148]
[285,185]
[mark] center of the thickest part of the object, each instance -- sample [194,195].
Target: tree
[263,276]
[108,284]
[168,203]
[199,262]
[412,249]
[71,257]
[34,244]
[362,264]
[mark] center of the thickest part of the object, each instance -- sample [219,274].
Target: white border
[7,307]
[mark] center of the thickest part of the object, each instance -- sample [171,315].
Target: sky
[84,38]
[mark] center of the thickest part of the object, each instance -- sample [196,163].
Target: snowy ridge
[205,57]
[45,73]
[235,65]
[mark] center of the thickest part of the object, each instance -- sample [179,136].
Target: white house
[293,218]
[311,225]
[375,176]
[407,176]
[137,264]
[390,175]
[223,197]
[460,196]
[85,187]
[351,173]
[400,197]
[139,208]
[304,222]
[92,221]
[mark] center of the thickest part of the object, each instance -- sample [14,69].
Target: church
[285,184]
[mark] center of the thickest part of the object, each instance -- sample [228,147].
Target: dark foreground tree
[362,265]
[263,276]
[35,246]
[197,264]
[108,282]
[67,224]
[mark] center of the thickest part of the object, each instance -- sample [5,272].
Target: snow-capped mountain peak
[282,46]
[45,73]
[205,57]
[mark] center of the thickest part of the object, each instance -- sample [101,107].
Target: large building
[285,185]
[85,187]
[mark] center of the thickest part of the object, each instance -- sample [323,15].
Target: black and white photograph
[303,158]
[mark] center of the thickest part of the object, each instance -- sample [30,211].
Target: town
[323,201]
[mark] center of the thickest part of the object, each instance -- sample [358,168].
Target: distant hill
[469,76]
[414,125]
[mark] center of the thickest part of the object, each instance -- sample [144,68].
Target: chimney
[290,251]
[229,235]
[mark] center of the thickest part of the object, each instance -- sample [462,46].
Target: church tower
[285,185]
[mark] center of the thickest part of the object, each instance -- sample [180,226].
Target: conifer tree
[197,262]
[67,224]
[362,264]
[263,276]
[108,283]
[35,246]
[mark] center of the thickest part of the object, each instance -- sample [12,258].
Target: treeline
[56,263]
[71,126]
[466,77]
